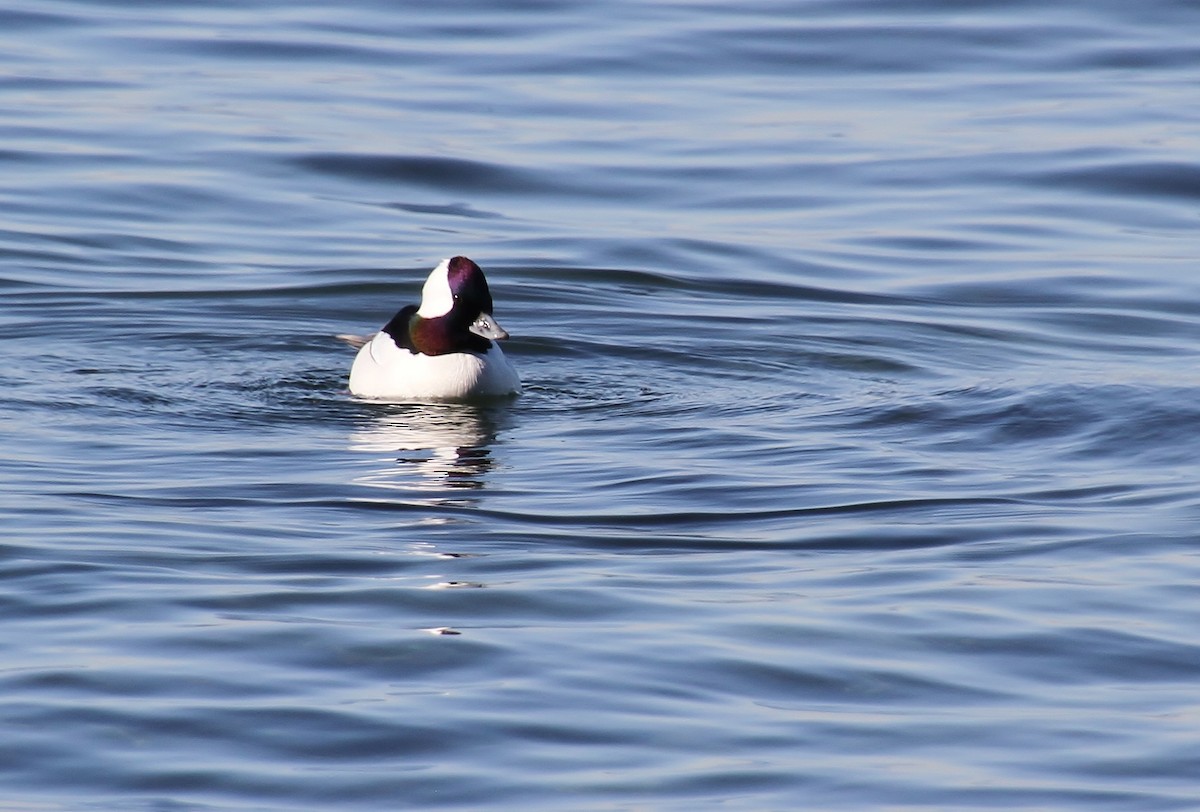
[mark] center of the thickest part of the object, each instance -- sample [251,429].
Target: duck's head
[455,313]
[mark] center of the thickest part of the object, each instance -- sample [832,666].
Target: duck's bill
[488,327]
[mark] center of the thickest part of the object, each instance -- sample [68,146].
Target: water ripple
[855,466]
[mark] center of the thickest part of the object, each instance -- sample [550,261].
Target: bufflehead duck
[443,350]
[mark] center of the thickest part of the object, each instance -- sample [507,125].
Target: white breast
[383,370]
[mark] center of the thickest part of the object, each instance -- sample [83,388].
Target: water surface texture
[857,466]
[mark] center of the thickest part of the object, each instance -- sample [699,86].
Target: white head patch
[436,297]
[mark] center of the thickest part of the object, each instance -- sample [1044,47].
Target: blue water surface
[857,466]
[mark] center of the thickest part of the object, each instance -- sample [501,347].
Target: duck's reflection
[430,446]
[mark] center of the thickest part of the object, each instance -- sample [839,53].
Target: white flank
[383,370]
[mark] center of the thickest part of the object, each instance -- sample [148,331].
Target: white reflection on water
[430,446]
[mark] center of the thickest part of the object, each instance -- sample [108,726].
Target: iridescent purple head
[455,313]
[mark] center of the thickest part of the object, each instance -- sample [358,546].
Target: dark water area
[856,466]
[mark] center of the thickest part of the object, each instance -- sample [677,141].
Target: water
[856,469]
